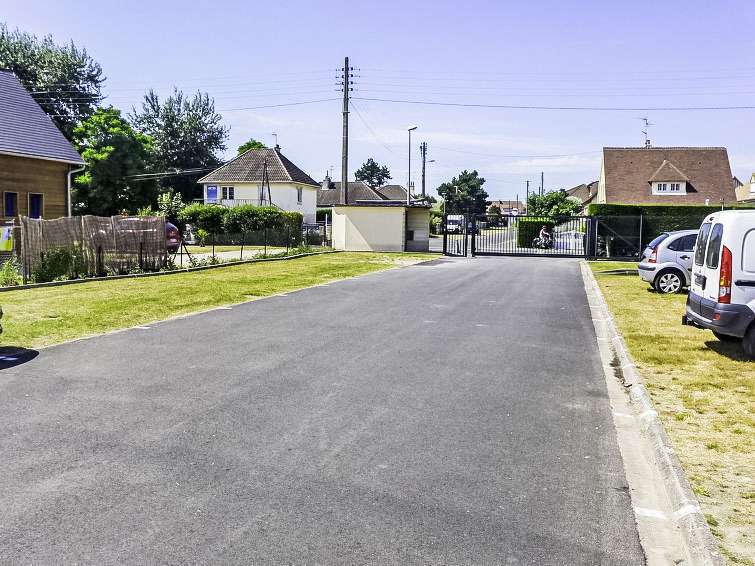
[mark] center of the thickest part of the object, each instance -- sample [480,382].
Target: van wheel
[748,342]
[669,281]
[726,337]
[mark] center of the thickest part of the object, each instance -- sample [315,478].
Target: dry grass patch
[704,391]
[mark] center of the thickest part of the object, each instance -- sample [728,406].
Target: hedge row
[240,219]
[656,219]
[529,229]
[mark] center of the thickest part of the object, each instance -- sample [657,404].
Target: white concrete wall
[283,196]
[369,228]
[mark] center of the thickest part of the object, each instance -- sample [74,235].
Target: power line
[584,108]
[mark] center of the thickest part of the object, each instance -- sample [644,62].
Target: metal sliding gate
[481,234]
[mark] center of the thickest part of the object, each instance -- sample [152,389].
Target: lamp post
[409,182]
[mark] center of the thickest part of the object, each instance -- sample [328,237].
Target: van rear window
[702,241]
[714,246]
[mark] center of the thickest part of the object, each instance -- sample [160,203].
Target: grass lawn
[43,316]
[704,391]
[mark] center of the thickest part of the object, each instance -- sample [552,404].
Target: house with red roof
[665,175]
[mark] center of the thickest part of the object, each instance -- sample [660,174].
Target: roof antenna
[276,140]
[645,131]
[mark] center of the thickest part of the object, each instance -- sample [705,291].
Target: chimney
[647,144]
[325,182]
[277,148]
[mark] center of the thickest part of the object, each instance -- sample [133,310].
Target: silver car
[667,261]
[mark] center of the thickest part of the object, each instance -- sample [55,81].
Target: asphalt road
[446,413]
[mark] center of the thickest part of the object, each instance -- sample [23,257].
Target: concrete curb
[700,544]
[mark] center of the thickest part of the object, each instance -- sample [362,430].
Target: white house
[262,177]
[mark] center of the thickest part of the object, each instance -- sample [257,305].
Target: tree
[170,205]
[464,194]
[494,215]
[186,135]
[373,174]
[552,203]
[65,81]
[115,155]
[251,144]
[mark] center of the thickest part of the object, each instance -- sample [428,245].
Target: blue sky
[510,89]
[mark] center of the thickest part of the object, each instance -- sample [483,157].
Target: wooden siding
[26,176]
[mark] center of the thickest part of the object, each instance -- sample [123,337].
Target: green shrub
[9,273]
[529,229]
[60,264]
[321,213]
[656,218]
[208,217]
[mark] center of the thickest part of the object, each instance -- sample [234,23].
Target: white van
[722,287]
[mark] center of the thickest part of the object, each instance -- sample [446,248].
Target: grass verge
[43,316]
[704,391]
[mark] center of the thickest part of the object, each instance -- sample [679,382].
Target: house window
[35,206]
[670,188]
[298,195]
[11,204]
[228,193]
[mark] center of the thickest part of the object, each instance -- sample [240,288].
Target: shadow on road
[11,356]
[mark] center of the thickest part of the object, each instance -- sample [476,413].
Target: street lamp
[409,182]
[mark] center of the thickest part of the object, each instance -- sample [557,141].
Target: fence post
[141,256]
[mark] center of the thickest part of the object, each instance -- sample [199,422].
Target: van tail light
[724,280]
[653,255]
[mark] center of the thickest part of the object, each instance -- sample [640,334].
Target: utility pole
[345,148]
[542,183]
[527,199]
[423,152]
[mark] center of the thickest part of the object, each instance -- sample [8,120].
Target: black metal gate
[481,234]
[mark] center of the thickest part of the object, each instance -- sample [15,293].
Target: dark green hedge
[529,229]
[656,218]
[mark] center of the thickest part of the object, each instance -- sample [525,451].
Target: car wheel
[669,281]
[726,337]
[748,342]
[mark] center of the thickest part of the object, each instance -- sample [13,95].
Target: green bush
[656,219]
[61,264]
[9,273]
[206,217]
[529,229]
[321,213]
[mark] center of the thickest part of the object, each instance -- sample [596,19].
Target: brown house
[665,175]
[35,158]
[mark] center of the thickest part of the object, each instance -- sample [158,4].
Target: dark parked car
[173,238]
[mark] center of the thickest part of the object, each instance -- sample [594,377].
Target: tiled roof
[668,172]
[585,193]
[393,192]
[358,190]
[249,166]
[628,174]
[25,129]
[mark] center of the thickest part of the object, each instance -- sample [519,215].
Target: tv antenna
[276,138]
[647,128]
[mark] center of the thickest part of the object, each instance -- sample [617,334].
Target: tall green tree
[552,203]
[373,174]
[63,79]
[186,135]
[464,194]
[115,156]
[251,144]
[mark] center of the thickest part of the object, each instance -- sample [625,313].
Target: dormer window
[667,188]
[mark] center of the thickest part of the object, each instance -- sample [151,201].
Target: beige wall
[418,221]
[369,228]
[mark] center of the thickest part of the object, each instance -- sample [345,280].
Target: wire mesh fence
[99,245]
